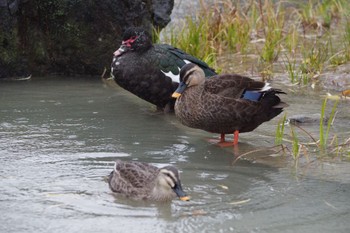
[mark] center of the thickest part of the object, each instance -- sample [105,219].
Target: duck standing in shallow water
[224,104]
[150,71]
[143,181]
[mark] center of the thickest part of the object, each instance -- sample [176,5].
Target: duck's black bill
[180,89]
[180,193]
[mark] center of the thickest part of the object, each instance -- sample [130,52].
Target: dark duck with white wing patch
[150,71]
[224,104]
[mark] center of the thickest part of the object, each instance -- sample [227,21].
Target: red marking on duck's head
[130,41]
[126,45]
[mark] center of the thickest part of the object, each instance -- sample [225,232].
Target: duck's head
[134,39]
[190,75]
[168,183]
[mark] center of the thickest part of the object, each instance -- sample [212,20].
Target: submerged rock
[306,119]
[70,36]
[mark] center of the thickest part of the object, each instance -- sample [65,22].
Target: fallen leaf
[223,186]
[240,202]
[199,212]
[346,93]
[331,97]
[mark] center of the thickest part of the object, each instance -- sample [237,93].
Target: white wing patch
[265,88]
[174,77]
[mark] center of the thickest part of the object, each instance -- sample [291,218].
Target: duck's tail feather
[258,90]
[281,105]
[272,103]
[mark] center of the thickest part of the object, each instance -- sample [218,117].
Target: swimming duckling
[143,181]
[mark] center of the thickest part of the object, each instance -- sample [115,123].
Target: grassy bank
[303,39]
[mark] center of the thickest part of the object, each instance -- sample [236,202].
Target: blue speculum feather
[252,95]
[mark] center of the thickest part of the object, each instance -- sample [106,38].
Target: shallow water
[60,136]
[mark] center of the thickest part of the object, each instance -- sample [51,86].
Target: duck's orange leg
[235,137]
[222,138]
[224,143]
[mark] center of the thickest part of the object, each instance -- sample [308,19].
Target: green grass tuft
[325,134]
[307,37]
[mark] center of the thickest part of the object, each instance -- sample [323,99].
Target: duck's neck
[192,93]
[144,48]
[160,193]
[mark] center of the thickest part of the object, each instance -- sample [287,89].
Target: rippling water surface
[60,136]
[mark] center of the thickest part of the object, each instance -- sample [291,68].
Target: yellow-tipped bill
[179,90]
[185,198]
[176,95]
[179,192]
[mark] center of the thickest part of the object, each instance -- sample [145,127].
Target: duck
[150,71]
[143,181]
[225,103]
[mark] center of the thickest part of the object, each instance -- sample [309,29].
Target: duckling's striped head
[169,178]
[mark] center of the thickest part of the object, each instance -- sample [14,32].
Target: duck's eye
[170,176]
[170,180]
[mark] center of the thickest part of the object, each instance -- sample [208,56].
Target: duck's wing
[235,86]
[135,174]
[254,113]
[170,60]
